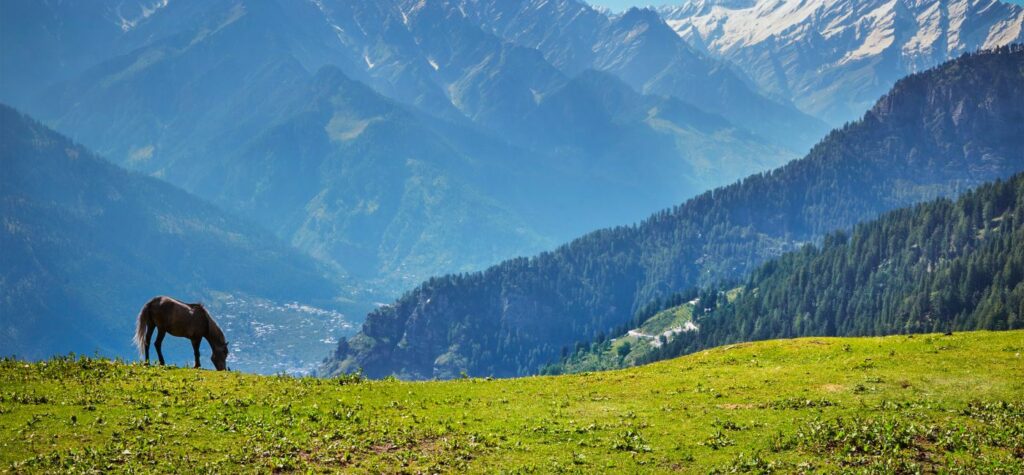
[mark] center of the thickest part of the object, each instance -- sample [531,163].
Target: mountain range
[396,140]
[934,134]
[832,58]
[367,145]
[639,48]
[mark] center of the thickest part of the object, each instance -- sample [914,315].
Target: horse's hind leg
[159,342]
[149,336]
[195,349]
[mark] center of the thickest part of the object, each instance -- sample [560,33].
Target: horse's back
[165,303]
[175,317]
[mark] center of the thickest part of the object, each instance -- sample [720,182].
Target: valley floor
[898,404]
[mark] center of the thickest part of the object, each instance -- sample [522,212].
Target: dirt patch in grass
[733,407]
[833,388]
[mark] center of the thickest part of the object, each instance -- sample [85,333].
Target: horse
[187,320]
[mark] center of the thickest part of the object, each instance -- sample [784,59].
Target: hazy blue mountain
[833,58]
[934,134]
[391,143]
[46,41]
[86,244]
[599,119]
[641,49]
[386,54]
[209,108]
[375,188]
[208,73]
[593,118]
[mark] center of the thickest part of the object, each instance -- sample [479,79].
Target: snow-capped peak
[800,48]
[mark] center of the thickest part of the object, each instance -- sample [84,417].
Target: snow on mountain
[833,58]
[133,18]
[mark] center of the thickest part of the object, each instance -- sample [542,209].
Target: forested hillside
[936,267]
[938,133]
[941,266]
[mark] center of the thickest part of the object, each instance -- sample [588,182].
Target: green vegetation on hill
[629,348]
[657,325]
[935,267]
[940,266]
[895,404]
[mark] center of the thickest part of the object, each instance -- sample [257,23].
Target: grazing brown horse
[187,320]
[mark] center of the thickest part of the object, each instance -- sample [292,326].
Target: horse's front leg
[195,349]
[149,336]
[159,343]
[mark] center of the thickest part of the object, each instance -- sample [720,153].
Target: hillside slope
[935,134]
[905,404]
[939,266]
[86,243]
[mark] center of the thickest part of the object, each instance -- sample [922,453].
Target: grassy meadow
[900,404]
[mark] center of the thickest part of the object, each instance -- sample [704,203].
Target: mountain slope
[639,48]
[87,243]
[937,133]
[833,58]
[597,119]
[43,41]
[372,187]
[940,266]
[212,71]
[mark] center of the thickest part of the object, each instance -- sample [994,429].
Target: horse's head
[216,338]
[220,356]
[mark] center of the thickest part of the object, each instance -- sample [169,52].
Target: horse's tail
[141,328]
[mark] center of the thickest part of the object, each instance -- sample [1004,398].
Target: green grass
[610,354]
[668,319]
[897,404]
